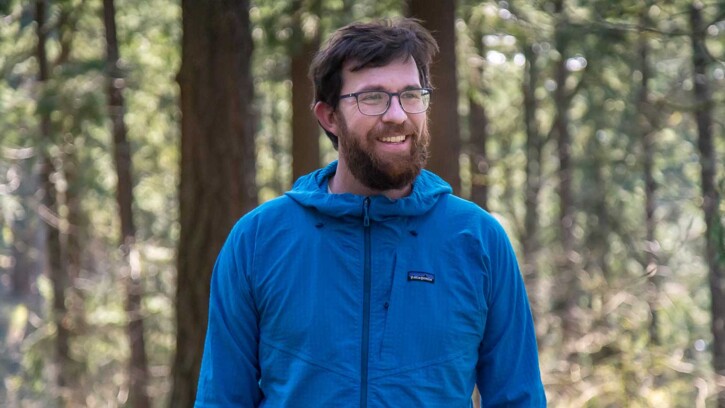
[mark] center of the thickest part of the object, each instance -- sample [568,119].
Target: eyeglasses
[374,103]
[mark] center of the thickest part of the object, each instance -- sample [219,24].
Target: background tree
[632,119]
[131,270]
[534,147]
[73,99]
[714,236]
[304,43]
[56,238]
[217,164]
[445,146]
[478,129]
[647,124]
[568,298]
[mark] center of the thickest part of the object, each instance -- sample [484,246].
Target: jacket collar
[311,191]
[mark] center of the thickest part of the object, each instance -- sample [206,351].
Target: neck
[344,182]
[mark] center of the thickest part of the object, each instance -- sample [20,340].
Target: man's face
[386,151]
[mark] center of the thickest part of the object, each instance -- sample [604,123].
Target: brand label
[421,276]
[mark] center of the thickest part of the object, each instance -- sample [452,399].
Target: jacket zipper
[366,308]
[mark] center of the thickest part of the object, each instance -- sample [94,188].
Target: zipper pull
[366,212]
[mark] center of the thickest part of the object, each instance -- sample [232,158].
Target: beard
[376,171]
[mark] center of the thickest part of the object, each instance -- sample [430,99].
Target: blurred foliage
[612,363]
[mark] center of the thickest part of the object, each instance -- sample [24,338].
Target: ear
[326,116]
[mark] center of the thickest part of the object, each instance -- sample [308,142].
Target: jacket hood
[311,191]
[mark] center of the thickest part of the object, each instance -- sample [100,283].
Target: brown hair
[373,44]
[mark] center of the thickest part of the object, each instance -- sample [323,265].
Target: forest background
[132,136]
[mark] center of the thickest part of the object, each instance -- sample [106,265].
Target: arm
[230,371]
[508,365]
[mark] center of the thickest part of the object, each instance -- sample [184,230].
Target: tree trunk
[568,281]
[305,130]
[76,225]
[138,376]
[646,129]
[594,193]
[217,181]
[56,233]
[439,17]
[561,126]
[534,145]
[478,128]
[714,236]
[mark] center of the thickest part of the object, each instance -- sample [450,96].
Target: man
[369,284]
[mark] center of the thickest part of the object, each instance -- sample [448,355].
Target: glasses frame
[390,99]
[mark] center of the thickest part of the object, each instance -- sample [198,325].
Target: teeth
[393,139]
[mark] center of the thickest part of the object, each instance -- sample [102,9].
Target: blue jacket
[338,300]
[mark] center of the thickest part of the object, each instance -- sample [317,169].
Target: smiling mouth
[393,139]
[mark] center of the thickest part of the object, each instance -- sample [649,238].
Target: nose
[395,112]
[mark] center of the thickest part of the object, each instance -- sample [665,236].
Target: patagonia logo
[421,276]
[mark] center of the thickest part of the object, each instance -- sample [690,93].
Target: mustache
[395,129]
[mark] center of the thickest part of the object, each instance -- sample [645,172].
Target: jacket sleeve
[508,365]
[230,372]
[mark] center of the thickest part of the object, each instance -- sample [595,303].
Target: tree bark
[647,131]
[714,236]
[217,181]
[439,17]
[75,226]
[568,281]
[478,128]
[561,125]
[534,145]
[138,375]
[305,130]
[56,232]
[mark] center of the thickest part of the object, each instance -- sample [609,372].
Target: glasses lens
[373,103]
[415,100]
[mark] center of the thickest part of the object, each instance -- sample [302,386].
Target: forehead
[397,75]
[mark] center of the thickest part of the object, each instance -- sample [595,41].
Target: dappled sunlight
[578,131]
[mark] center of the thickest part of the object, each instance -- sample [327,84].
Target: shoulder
[258,228]
[480,231]
[452,208]
[268,213]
